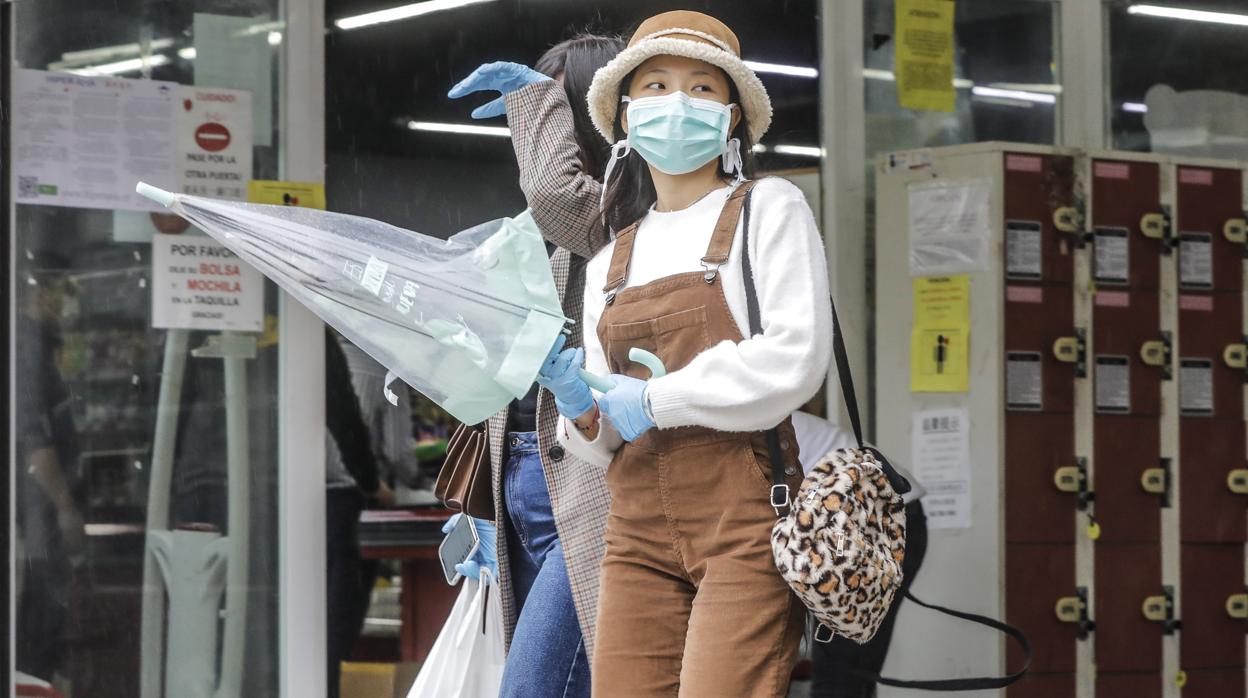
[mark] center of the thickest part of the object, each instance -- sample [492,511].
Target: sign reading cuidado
[214,142]
[198,284]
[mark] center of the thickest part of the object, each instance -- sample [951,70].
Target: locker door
[1126,575]
[1211,573]
[1122,194]
[1037,576]
[1208,197]
[1214,682]
[1127,685]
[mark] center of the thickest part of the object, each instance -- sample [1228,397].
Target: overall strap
[720,247]
[621,255]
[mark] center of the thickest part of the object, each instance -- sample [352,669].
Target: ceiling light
[275,38]
[74,59]
[126,66]
[1135,107]
[812,151]
[1192,15]
[1038,97]
[188,53]
[402,12]
[794,70]
[877,74]
[469,129]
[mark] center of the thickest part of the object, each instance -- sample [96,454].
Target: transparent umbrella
[465,321]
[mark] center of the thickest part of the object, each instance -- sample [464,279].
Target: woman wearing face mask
[551,506]
[691,602]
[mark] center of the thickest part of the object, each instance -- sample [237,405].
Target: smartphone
[459,545]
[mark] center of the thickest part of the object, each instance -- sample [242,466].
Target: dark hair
[577,59]
[630,193]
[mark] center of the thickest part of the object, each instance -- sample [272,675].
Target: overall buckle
[712,271]
[779,498]
[824,634]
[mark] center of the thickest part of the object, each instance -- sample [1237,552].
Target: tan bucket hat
[690,35]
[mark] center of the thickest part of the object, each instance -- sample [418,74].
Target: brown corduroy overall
[691,603]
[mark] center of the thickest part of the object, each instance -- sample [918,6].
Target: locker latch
[1158,352]
[1160,609]
[1067,219]
[1236,356]
[1157,226]
[1237,606]
[1074,479]
[1157,481]
[1235,231]
[1074,609]
[1073,350]
[1237,481]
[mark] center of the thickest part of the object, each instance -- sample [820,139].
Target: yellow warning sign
[923,55]
[941,336]
[305,194]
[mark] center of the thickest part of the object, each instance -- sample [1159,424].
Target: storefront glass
[102,471]
[1176,78]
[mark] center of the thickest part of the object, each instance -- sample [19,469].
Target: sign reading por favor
[214,142]
[198,284]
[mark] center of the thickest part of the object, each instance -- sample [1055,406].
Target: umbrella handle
[641,356]
[160,196]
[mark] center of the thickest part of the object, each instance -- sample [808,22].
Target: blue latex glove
[487,552]
[625,406]
[501,76]
[560,374]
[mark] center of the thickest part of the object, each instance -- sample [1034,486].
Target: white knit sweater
[732,386]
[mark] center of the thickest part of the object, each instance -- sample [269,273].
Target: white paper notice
[214,142]
[235,52]
[950,226]
[941,455]
[84,142]
[198,284]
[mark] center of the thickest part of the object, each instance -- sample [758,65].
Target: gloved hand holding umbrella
[468,322]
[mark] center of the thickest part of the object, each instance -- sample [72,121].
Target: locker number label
[1196,387]
[1024,384]
[1023,255]
[1113,258]
[1113,384]
[1196,261]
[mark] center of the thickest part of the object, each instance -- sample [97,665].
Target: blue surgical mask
[677,134]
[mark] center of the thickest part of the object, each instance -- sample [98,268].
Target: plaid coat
[564,201]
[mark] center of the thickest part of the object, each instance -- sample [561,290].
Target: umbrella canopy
[466,321]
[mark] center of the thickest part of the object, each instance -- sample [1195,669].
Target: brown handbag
[464,483]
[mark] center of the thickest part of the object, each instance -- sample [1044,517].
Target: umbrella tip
[160,196]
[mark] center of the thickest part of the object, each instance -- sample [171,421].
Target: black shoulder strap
[844,377]
[900,485]
[978,683]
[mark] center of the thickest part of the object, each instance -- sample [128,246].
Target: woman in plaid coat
[551,506]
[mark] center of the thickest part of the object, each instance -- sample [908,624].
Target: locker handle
[1160,609]
[1237,481]
[1070,609]
[1158,353]
[1155,225]
[1073,350]
[1069,478]
[1153,480]
[1235,355]
[1237,606]
[1235,230]
[1154,608]
[1066,219]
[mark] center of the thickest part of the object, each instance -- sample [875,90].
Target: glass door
[145,402]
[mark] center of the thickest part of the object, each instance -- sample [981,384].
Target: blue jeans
[547,657]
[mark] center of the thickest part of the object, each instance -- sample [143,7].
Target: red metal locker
[1036,511]
[1123,192]
[1211,574]
[1127,575]
[1035,187]
[1036,577]
[1215,682]
[1209,197]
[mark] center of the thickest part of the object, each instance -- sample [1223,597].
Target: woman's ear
[736,118]
[624,118]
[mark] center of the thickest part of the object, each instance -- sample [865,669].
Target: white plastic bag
[467,658]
